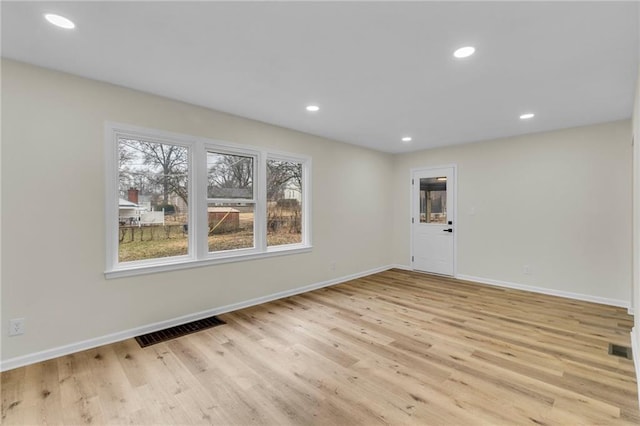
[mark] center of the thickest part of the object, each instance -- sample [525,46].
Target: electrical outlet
[526,269]
[16,326]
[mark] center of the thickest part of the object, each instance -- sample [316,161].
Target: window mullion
[112,198]
[260,218]
[306,202]
[200,229]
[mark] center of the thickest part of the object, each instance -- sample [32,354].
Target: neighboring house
[178,203]
[128,212]
[293,192]
[144,202]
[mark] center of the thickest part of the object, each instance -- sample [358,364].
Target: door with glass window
[433,227]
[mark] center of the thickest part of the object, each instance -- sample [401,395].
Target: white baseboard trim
[399,266]
[47,354]
[635,350]
[548,291]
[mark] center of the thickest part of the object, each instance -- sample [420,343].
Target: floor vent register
[177,331]
[621,351]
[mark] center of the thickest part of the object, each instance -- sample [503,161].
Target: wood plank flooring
[394,348]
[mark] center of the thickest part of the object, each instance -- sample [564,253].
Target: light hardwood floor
[392,348]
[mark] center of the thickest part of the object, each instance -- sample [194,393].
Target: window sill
[188,264]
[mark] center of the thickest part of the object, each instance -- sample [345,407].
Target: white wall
[53,212]
[635,334]
[559,202]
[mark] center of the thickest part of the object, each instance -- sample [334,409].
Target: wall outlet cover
[16,326]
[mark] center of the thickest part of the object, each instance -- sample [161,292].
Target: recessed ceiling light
[406,139]
[527,116]
[313,108]
[59,21]
[464,52]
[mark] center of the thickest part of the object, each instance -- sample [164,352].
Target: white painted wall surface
[635,333]
[53,191]
[559,202]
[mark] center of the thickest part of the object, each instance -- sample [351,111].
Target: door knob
[448,230]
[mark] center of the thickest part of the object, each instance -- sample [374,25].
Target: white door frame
[412,207]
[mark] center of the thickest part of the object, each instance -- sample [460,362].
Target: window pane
[284,202]
[230,226]
[433,200]
[229,176]
[153,202]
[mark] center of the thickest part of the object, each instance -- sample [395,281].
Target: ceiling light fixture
[464,52]
[527,116]
[406,139]
[59,21]
[313,108]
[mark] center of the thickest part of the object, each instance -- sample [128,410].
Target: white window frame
[306,199]
[198,251]
[229,150]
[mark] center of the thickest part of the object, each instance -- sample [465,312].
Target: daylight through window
[284,202]
[153,200]
[176,201]
[231,201]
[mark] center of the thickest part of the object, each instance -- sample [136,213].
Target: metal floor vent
[177,331]
[621,351]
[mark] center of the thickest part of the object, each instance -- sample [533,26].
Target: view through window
[153,200]
[433,200]
[174,207]
[284,202]
[231,201]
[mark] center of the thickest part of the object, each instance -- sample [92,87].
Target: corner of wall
[635,350]
[635,282]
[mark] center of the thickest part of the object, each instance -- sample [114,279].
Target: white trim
[411,218]
[454,196]
[401,267]
[47,354]
[198,252]
[260,218]
[306,162]
[635,350]
[548,291]
[282,250]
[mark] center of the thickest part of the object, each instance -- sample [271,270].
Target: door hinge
[412,182]
[412,220]
[412,258]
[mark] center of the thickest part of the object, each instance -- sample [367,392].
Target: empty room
[294,213]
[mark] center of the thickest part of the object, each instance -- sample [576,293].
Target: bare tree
[281,174]
[155,164]
[230,176]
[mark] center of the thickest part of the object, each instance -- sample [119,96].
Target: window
[231,201]
[433,200]
[284,202]
[153,199]
[175,201]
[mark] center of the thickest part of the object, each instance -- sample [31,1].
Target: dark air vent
[177,331]
[621,351]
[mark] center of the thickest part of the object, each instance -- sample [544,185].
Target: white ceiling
[378,70]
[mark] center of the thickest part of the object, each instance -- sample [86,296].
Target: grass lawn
[176,244]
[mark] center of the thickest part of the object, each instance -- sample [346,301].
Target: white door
[433,227]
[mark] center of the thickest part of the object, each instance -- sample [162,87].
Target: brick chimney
[133,195]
